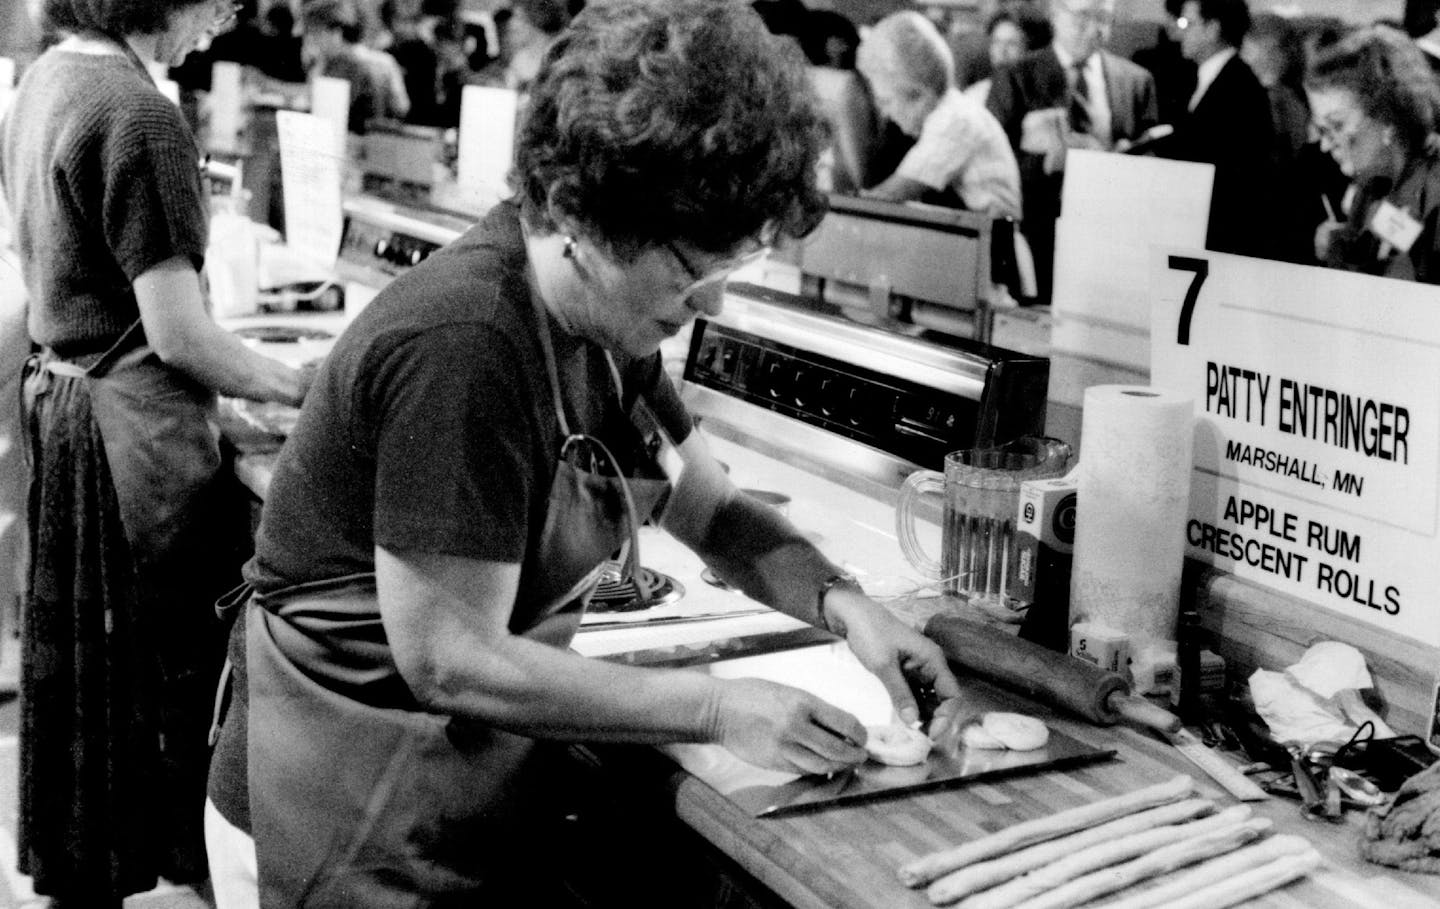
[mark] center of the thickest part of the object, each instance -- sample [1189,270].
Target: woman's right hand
[783,728]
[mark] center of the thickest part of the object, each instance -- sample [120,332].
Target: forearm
[896,188]
[183,335]
[757,549]
[538,690]
[222,362]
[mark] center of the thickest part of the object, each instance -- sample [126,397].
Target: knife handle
[1139,712]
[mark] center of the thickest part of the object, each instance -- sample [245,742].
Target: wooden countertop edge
[1256,627]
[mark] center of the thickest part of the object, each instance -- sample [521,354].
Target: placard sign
[1317,446]
[7,83]
[486,146]
[1100,311]
[311,159]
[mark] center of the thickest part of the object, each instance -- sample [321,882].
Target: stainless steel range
[807,404]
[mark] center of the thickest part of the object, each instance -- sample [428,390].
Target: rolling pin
[1063,681]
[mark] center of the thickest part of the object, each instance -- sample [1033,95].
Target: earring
[569,250]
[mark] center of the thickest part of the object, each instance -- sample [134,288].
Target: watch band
[835,580]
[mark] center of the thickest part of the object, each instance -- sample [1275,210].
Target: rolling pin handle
[1140,712]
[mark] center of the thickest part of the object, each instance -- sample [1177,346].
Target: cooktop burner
[615,593]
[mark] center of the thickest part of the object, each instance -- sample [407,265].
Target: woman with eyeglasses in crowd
[1376,106]
[121,646]
[479,442]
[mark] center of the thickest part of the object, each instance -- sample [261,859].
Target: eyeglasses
[226,13]
[700,279]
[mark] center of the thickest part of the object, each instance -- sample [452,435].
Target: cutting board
[832,672]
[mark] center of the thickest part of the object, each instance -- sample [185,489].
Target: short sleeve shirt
[432,426]
[103,181]
[963,147]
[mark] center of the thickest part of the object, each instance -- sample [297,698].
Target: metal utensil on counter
[1314,804]
[1355,788]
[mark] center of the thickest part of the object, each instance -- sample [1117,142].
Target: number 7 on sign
[1201,268]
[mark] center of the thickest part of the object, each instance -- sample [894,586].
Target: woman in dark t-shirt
[479,442]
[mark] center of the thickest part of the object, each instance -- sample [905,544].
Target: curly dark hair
[654,120]
[112,17]
[1388,76]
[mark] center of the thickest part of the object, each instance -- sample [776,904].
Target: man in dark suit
[1228,125]
[1073,94]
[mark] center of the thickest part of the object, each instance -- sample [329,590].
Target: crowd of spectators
[1313,126]
[1230,89]
[406,60]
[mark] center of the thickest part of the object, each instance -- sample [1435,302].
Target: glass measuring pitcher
[980,495]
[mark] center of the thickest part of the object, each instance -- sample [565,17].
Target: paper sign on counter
[225,106]
[1317,448]
[487,139]
[1100,301]
[330,101]
[311,161]
[7,83]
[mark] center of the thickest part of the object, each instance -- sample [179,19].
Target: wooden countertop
[847,856]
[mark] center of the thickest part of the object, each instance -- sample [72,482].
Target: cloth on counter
[1405,834]
[1330,667]
[1316,699]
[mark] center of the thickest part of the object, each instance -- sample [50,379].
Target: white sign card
[1100,304]
[225,106]
[487,139]
[7,83]
[1317,446]
[311,161]
[330,101]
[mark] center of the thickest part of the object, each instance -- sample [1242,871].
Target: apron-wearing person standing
[131,524]
[133,532]
[427,796]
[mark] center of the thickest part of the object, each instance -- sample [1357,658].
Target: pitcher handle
[918,484]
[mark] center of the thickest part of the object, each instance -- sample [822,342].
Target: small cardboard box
[1044,551]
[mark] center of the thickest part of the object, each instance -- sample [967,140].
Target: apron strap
[547,345]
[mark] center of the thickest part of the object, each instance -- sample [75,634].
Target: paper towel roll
[1133,495]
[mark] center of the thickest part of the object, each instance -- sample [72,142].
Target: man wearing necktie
[1228,124]
[1072,94]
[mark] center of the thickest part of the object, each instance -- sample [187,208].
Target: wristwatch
[843,579]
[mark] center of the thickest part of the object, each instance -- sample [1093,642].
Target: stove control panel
[384,239]
[912,399]
[391,251]
[890,413]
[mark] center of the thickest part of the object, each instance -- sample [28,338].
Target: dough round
[1016,731]
[897,745]
[975,736]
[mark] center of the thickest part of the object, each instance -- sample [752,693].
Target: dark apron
[120,664]
[358,798]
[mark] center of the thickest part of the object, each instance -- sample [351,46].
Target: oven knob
[416,256]
[775,376]
[853,405]
[382,247]
[800,386]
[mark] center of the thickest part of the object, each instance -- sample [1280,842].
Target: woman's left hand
[903,658]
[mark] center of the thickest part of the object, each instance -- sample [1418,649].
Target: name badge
[1395,226]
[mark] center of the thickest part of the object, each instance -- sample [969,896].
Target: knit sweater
[100,173]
